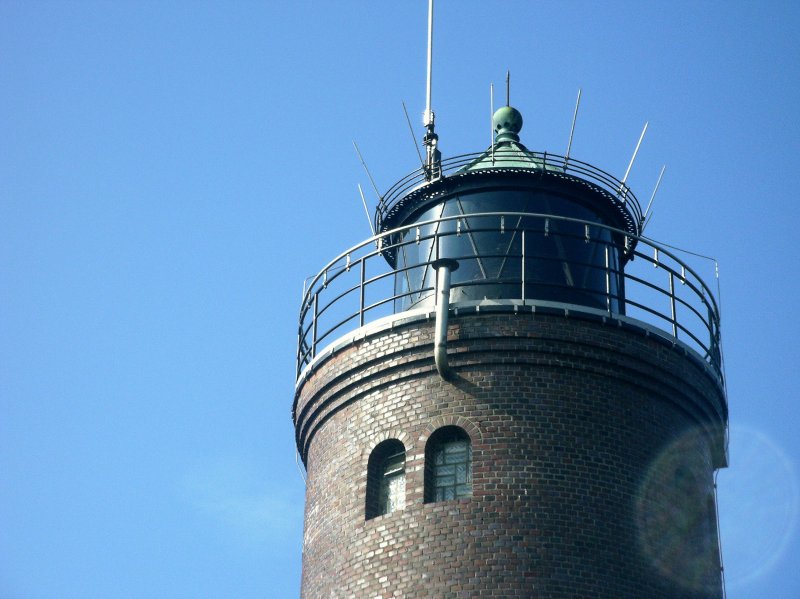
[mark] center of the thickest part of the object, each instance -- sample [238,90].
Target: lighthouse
[508,391]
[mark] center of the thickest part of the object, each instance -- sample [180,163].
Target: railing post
[523,265]
[314,327]
[361,292]
[299,350]
[672,304]
[713,331]
[608,283]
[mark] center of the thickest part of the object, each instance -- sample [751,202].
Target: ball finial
[507,123]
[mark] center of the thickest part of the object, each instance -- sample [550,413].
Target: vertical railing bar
[622,287]
[672,304]
[361,292]
[299,350]
[314,328]
[608,282]
[303,311]
[523,265]
[713,332]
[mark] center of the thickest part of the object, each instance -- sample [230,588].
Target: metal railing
[505,160]
[655,286]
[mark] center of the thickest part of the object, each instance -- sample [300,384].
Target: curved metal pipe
[443,269]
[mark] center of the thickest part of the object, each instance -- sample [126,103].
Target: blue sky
[170,172]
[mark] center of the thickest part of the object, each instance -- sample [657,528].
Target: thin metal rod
[366,210]
[636,151]
[507,252]
[508,88]
[371,180]
[572,129]
[653,197]
[300,356]
[413,138]
[522,294]
[428,113]
[673,311]
[472,240]
[314,326]
[361,292]
[608,281]
[674,247]
[491,118]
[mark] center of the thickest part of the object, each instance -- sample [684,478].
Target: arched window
[386,479]
[448,465]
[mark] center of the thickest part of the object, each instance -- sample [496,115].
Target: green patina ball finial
[507,123]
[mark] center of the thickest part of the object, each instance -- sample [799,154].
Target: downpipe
[443,269]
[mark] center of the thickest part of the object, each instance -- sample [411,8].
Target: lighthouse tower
[508,392]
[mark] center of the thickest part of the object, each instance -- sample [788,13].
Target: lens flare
[676,515]
[759,499]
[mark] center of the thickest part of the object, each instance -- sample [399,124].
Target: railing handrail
[504,161]
[355,260]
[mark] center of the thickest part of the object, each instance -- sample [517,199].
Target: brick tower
[508,392]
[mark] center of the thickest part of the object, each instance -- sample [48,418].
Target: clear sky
[170,172]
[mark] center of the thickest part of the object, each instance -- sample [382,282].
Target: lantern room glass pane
[562,263]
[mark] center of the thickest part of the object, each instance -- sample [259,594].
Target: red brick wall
[593,453]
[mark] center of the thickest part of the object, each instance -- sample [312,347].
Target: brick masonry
[594,448]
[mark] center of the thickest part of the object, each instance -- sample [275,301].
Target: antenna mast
[572,129]
[491,117]
[647,214]
[623,187]
[635,152]
[414,139]
[433,157]
[366,210]
[429,71]
[366,168]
